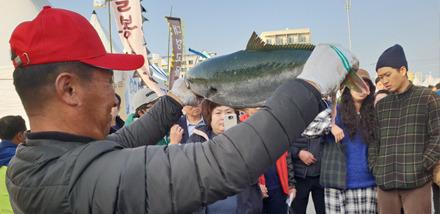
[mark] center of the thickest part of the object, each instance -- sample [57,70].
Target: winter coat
[312,145]
[56,172]
[285,173]
[408,144]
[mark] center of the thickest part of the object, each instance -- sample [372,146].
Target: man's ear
[21,137]
[67,86]
[140,113]
[403,71]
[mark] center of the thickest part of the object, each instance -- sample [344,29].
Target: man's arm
[182,178]
[432,147]
[230,162]
[290,172]
[373,149]
[151,127]
[294,151]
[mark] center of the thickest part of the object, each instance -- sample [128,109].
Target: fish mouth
[354,82]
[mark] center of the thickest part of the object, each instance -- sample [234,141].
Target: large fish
[246,78]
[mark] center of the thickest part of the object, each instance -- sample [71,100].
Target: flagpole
[110,27]
[347,4]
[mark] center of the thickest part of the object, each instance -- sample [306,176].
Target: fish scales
[246,78]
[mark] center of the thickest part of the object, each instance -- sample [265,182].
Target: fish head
[354,82]
[188,83]
[199,86]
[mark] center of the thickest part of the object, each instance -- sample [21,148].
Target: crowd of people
[174,155]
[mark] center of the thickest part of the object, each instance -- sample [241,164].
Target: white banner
[128,17]
[131,86]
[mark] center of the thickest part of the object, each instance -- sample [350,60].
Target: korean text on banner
[177,38]
[128,17]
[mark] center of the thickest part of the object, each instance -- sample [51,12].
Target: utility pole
[347,4]
[110,27]
[169,39]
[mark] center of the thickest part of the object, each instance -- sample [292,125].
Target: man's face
[393,79]
[193,111]
[98,100]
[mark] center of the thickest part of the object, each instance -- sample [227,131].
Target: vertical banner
[128,17]
[133,85]
[177,38]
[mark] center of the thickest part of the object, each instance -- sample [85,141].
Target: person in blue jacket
[11,134]
[353,129]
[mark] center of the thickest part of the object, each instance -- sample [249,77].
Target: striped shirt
[409,135]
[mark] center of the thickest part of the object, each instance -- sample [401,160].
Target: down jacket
[122,175]
[312,145]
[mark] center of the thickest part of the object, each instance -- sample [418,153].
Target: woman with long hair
[354,130]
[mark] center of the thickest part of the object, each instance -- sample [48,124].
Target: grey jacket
[119,175]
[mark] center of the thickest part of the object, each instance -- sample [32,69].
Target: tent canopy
[17,12]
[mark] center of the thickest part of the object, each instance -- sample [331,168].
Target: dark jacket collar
[60,136]
[407,91]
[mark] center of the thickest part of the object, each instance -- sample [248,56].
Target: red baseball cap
[58,35]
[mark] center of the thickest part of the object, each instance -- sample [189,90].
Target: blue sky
[225,26]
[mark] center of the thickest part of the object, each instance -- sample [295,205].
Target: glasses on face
[147,108]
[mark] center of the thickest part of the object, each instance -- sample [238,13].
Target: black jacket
[313,146]
[122,175]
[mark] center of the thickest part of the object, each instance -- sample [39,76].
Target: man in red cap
[69,163]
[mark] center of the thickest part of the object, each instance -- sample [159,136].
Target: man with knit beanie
[408,137]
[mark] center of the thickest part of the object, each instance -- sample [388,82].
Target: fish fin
[256,43]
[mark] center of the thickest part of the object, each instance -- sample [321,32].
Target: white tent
[417,81]
[105,38]
[16,12]
[430,80]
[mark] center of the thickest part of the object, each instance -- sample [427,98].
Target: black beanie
[392,57]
